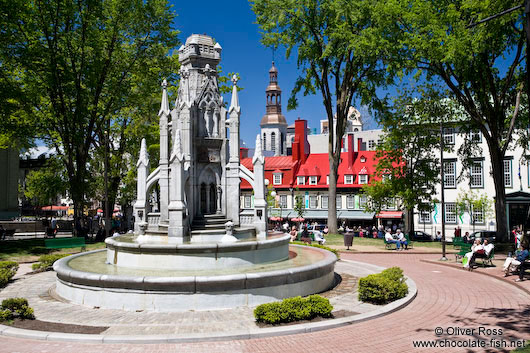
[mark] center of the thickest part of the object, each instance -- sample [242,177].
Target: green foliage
[299,204]
[45,184]
[384,287]
[16,308]
[75,65]
[7,270]
[467,201]
[315,245]
[293,309]
[46,261]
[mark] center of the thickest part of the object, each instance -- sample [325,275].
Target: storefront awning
[390,214]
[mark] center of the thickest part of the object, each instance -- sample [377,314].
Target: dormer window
[363,178]
[277,178]
[348,179]
[313,180]
[300,180]
[363,159]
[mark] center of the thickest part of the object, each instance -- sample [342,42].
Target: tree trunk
[332,195]
[500,192]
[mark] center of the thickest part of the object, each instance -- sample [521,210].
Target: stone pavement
[38,289]
[447,298]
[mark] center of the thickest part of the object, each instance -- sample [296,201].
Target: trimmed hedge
[318,246]
[384,287]
[293,309]
[16,308]
[7,271]
[46,261]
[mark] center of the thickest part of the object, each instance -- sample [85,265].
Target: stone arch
[209,182]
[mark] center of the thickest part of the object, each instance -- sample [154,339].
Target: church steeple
[274,100]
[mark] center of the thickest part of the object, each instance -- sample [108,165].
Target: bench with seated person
[517,262]
[486,256]
[389,240]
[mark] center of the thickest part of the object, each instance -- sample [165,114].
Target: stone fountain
[196,251]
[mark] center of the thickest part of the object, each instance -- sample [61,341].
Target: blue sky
[231,23]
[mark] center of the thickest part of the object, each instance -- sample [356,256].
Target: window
[386,177]
[478,215]
[362,201]
[283,201]
[507,164]
[273,142]
[425,217]
[477,174]
[450,212]
[363,178]
[277,178]
[339,202]
[349,201]
[248,200]
[475,136]
[324,202]
[371,145]
[327,179]
[264,142]
[450,174]
[300,180]
[363,159]
[313,180]
[312,201]
[348,179]
[449,136]
[391,204]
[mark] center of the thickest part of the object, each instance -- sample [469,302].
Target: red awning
[297,219]
[54,208]
[390,214]
[275,218]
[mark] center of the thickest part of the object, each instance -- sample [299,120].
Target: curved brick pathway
[447,297]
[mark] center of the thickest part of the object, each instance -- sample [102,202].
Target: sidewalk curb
[481,273]
[236,335]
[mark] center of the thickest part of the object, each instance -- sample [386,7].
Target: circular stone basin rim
[194,284]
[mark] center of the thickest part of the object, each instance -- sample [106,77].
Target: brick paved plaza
[447,297]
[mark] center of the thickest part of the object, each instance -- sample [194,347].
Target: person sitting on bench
[466,260]
[402,239]
[512,263]
[390,239]
[487,248]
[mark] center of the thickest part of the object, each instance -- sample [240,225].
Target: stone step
[207,231]
[216,221]
[214,216]
[207,226]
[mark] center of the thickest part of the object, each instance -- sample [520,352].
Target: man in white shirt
[401,238]
[390,239]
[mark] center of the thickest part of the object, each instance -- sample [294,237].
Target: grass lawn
[30,249]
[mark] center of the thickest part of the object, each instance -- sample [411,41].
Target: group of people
[478,250]
[399,239]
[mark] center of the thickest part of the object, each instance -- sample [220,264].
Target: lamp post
[442,183]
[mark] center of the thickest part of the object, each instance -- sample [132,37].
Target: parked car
[422,236]
[484,234]
[316,231]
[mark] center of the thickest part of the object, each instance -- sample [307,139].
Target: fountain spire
[164,105]
[234,104]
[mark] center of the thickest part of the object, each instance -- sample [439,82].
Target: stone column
[219,195]
[140,206]
[260,202]
[232,170]
[178,222]
[164,149]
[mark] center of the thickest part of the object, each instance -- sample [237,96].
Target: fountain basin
[307,271]
[161,253]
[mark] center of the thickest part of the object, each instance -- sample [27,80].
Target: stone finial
[144,156]
[234,104]
[257,153]
[164,105]
[177,147]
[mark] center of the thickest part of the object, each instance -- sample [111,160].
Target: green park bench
[63,243]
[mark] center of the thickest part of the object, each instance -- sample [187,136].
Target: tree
[471,202]
[77,64]
[338,56]
[408,159]
[299,206]
[44,185]
[482,67]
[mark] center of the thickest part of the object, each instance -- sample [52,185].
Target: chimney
[350,150]
[243,152]
[300,145]
[359,145]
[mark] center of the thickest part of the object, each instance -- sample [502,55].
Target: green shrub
[293,309]
[7,270]
[384,287]
[318,246]
[6,315]
[46,261]
[18,307]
